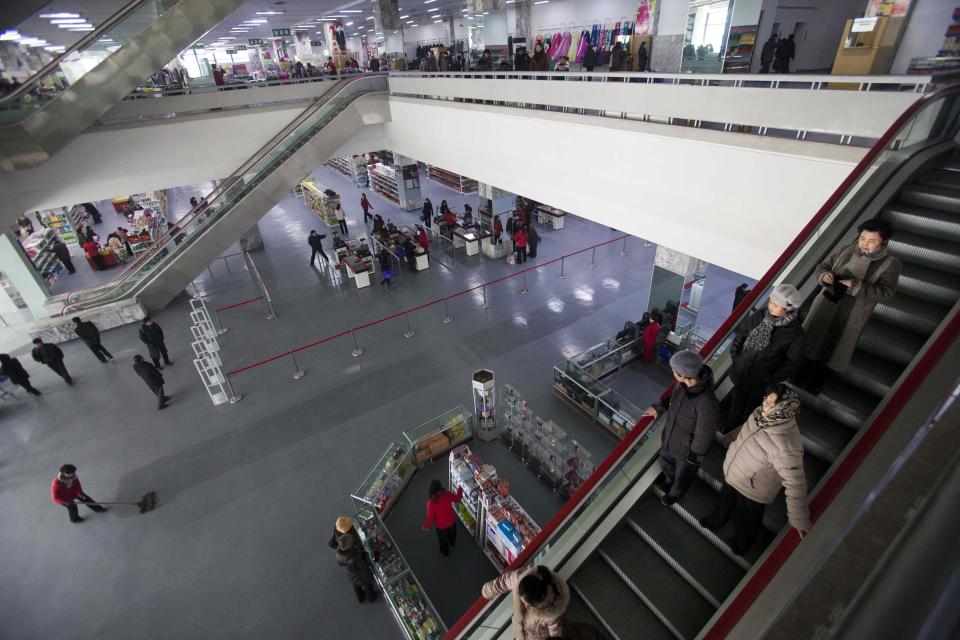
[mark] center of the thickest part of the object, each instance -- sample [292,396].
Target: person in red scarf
[440,513]
[66,491]
[650,337]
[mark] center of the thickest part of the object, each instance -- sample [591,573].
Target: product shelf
[452,180]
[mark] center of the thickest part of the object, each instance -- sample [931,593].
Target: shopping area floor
[249,492]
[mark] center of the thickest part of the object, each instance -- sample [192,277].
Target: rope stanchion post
[357,351]
[234,398]
[447,318]
[297,371]
[593,258]
[562,276]
[220,328]
[409,333]
[524,290]
[484,305]
[623,250]
[270,314]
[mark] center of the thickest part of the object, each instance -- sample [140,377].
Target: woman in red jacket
[650,336]
[440,513]
[520,242]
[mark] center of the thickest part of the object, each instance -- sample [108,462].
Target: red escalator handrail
[220,190]
[765,573]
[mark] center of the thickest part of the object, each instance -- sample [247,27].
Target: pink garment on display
[564,46]
[554,44]
[582,48]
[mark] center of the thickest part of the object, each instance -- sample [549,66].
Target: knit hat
[787,296]
[687,363]
[344,523]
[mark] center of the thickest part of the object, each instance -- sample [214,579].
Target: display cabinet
[387,480]
[485,404]
[354,167]
[547,451]
[616,414]
[607,357]
[452,180]
[39,248]
[438,435]
[514,421]
[324,204]
[578,467]
[603,405]
[555,217]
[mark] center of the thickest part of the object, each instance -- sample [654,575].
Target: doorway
[799,38]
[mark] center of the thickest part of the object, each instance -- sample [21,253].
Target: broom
[147,503]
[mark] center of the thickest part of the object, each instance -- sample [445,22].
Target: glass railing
[933,119]
[80,58]
[169,246]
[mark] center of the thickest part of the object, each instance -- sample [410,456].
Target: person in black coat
[693,416]
[152,335]
[770,347]
[62,252]
[154,379]
[590,58]
[427,213]
[766,54]
[352,557]
[11,367]
[90,334]
[643,58]
[93,211]
[52,356]
[533,239]
[316,246]
[784,53]
[742,292]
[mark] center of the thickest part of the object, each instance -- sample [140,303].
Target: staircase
[659,574]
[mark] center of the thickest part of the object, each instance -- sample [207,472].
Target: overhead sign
[241,47]
[317,43]
[254,41]
[230,52]
[281,32]
[197,45]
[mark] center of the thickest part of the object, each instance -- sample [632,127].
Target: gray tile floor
[249,492]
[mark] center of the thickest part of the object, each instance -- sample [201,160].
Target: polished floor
[248,492]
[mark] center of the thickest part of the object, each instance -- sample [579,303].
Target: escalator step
[699,502]
[927,252]
[943,178]
[945,199]
[912,314]
[706,564]
[848,399]
[578,611]
[666,590]
[931,223]
[889,342]
[623,613]
[871,374]
[829,410]
[928,284]
[823,437]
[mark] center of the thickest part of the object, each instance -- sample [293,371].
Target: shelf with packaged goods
[340,165]
[385,188]
[320,202]
[440,434]
[452,180]
[387,480]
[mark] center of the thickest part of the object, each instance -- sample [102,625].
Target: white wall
[429,31]
[570,15]
[673,17]
[731,205]
[924,33]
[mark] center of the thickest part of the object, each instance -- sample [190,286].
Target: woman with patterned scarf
[854,280]
[769,348]
[766,452]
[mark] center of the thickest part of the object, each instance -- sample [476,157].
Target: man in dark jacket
[11,367]
[93,211]
[52,356]
[770,347]
[643,58]
[590,58]
[352,557]
[786,50]
[62,252]
[316,246]
[88,332]
[766,54]
[693,416]
[152,377]
[533,239]
[152,335]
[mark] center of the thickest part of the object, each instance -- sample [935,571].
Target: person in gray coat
[152,377]
[693,416]
[854,280]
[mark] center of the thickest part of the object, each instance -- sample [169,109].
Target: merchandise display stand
[78,215]
[62,224]
[408,601]
[383,180]
[39,248]
[435,437]
[515,421]
[547,214]
[495,520]
[608,357]
[452,180]
[323,204]
[354,167]
[206,351]
[547,450]
[400,186]
[387,480]
[485,404]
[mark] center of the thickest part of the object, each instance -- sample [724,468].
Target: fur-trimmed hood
[527,620]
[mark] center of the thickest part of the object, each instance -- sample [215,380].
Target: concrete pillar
[251,240]
[17,269]
[523,24]
[671,272]
[387,24]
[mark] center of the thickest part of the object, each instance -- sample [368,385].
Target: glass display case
[578,387]
[578,467]
[387,480]
[607,357]
[547,451]
[438,435]
[616,414]
[485,404]
[514,421]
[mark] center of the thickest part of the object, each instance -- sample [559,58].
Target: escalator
[239,201]
[642,569]
[84,82]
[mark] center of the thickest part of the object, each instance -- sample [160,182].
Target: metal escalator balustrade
[641,569]
[226,197]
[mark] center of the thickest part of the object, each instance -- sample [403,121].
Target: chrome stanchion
[220,328]
[447,319]
[524,290]
[270,314]
[561,276]
[484,305]
[623,251]
[593,258]
[409,333]
[234,397]
[356,348]
[297,371]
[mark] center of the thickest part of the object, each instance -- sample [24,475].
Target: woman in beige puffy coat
[766,452]
[540,599]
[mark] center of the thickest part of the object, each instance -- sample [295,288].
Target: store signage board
[255,41]
[197,45]
[861,25]
[281,32]
[317,43]
[231,52]
[241,47]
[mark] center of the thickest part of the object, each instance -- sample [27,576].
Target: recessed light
[73,26]
[349,24]
[335,16]
[410,21]
[59,15]
[414,25]
[434,9]
[255,21]
[404,17]
[55,47]
[436,21]
[227,38]
[371,18]
[269,13]
[429,1]
[67,21]
[10,36]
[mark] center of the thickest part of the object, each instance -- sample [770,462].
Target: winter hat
[344,523]
[687,363]
[787,296]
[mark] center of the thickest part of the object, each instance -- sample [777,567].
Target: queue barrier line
[411,310]
[238,304]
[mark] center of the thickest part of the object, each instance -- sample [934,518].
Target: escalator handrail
[219,191]
[92,36]
[775,559]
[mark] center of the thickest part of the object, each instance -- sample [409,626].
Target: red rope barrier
[239,304]
[407,311]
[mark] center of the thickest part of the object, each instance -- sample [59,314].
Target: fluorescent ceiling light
[466,10]
[72,26]
[59,15]
[350,11]
[414,25]
[255,21]
[10,35]
[227,38]
[81,29]
[404,17]
[349,24]
[542,2]
[269,13]
[429,1]
[67,21]
[410,21]
[55,47]
[371,18]
[434,9]
[352,35]
[436,21]
[335,16]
